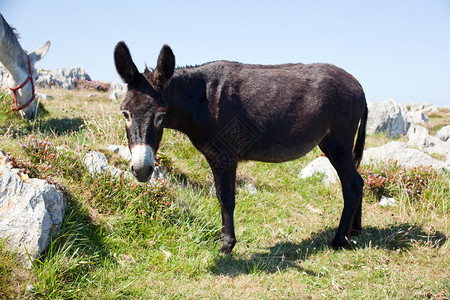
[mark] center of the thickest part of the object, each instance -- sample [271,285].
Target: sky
[396,49]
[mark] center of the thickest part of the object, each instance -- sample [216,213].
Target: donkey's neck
[12,55]
[188,107]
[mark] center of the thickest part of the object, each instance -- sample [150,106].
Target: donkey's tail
[361,138]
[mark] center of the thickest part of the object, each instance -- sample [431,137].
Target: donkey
[21,67]
[234,112]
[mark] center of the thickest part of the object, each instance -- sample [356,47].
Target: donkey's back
[283,111]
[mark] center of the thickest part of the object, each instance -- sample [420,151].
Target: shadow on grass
[80,239]
[59,126]
[289,255]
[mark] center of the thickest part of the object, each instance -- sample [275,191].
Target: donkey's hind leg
[340,155]
[357,227]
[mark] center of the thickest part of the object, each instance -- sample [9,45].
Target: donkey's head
[144,107]
[22,83]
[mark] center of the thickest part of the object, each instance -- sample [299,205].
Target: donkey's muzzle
[142,162]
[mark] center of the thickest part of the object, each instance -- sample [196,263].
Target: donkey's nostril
[142,174]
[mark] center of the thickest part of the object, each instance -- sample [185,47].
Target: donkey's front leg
[225,182]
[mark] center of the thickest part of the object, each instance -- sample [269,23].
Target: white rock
[44,96]
[417,117]
[62,77]
[444,133]
[31,211]
[117,91]
[387,201]
[439,147]
[123,151]
[159,174]
[419,137]
[320,166]
[387,116]
[397,151]
[431,109]
[250,188]
[419,106]
[96,162]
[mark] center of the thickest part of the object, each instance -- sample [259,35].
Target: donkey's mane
[11,28]
[16,33]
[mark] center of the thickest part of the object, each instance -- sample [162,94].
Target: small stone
[387,202]
[250,188]
[322,167]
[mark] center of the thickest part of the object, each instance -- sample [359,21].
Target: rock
[62,77]
[117,91]
[398,151]
[123,151]
[416,117]
[431,109]
[444,133]
[439,147]
[426,106]
[159,174]
[387,116]
[419,137]
[44,96]
[250,188]
[31,211]
[320,166]
[97,164]
[387,201]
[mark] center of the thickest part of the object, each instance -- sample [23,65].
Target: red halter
[16,107]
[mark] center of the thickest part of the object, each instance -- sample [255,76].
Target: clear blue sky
[396,49]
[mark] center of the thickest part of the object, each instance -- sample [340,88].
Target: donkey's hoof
[339,244]
[226,249]
[228,244]
[355,232]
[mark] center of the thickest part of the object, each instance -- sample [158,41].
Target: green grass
[125,240]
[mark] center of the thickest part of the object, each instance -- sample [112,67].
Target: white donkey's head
[22,83]
[20,65]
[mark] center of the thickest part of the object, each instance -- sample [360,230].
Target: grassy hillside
[140,241]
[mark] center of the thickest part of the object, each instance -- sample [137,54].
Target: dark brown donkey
[233,112]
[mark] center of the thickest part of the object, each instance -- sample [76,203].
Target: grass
[125,240]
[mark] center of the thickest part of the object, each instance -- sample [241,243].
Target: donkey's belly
[278,151]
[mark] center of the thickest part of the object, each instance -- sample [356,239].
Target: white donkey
[20,65]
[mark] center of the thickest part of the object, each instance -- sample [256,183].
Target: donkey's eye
[159,117]
[126,114]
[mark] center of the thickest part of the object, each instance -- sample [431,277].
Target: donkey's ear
[124,64]
[165,67]
[39,53]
